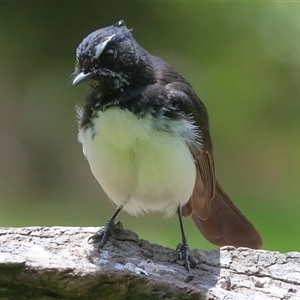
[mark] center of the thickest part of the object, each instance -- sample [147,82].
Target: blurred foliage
[242,59]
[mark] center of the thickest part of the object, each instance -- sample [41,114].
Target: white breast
[138,166]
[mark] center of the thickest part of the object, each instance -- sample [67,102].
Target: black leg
[183,248]
[101,236]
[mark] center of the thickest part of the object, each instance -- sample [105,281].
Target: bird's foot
[183,253]
[102,235]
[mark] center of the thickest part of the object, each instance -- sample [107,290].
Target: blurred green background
[243,59]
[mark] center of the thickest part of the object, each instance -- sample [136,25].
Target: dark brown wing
[204,189]
[183,96]
[211,209]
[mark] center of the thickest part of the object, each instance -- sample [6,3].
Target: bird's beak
[81,77]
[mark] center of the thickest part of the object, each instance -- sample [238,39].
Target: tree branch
[58,263]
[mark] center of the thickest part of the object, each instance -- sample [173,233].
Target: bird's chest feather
[135,162]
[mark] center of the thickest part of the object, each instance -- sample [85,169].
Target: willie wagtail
[145,134]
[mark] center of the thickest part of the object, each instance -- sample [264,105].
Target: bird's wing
[210,208]
[182,96]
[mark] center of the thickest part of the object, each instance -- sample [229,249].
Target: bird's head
[111,59]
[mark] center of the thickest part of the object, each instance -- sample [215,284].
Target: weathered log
[59,263]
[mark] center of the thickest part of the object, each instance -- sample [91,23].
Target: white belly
[138,166]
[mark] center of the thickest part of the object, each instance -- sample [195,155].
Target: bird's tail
[226,225]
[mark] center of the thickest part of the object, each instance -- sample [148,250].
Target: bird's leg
[183,248]
[102,235]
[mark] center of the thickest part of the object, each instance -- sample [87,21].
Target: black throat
[141,101]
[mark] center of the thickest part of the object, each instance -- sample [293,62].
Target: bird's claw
[184,254]
[102,235]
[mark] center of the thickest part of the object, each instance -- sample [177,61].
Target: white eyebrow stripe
[100,47]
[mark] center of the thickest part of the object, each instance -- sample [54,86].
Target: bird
[145,133]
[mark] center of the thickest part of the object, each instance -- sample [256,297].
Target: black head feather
[112,59]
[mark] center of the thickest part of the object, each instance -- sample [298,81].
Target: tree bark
[59,263]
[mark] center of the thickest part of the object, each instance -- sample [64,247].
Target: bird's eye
[109,54]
